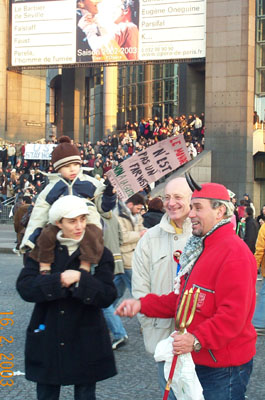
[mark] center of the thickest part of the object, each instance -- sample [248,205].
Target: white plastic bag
[185,383]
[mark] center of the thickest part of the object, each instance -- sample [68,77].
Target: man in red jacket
[221,337]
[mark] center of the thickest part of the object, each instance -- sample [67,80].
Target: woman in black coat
[67,340]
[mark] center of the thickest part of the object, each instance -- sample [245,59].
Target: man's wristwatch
[196,345]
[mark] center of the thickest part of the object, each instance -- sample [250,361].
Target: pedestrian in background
[259,316]
[18,221]
[154,214]
[113,239]
[251,229]
[131,222]
[261,217]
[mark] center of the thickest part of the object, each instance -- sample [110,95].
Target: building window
[260,48]
[261,29]
[157,111]
[140,112]
[157,91]
[169,89]
[261,80]
[158,71]
[86,100]
[169,70]
[260,7]
[140,94]
[140,73]
[134,95]
[121,94]
[170,110]
[261,55]
[145,89]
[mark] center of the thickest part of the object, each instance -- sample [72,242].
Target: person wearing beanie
[64,154]
[219,272]
[67,339]
[70,178]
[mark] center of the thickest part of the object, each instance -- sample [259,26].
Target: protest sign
[147,166]
[37,151]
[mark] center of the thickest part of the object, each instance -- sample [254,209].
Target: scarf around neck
[71,244]
[191,253]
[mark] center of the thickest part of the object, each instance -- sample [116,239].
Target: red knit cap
[212,191]
[65,153]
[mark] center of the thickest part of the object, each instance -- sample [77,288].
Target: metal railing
[6,207]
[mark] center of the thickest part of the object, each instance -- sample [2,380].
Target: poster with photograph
[107,30]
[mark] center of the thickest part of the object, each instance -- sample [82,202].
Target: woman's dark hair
[249,211]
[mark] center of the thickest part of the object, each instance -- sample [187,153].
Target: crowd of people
[18,175]
[172,253]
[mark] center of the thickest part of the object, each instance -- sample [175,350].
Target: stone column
[110,94]
[67,103]
[229,87]
[79,104]
[148,89]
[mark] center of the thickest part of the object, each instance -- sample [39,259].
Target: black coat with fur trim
[75,347]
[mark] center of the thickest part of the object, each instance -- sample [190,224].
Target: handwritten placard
[147,166]
[37,151]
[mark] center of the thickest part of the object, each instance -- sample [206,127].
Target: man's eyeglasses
[174,198]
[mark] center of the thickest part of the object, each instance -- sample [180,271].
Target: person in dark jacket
[154,214]
[261,217]
[67,340]
[18,226]
[252,229]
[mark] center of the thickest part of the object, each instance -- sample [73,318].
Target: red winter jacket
[226,272]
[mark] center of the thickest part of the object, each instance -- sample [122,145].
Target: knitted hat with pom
[65,153]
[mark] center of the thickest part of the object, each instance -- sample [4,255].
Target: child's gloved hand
[109,190]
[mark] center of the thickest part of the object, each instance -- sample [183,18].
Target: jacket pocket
[158,259]
[34,350]
[206,300]
[158,323]
[162,323]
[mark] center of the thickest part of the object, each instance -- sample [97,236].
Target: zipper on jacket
[211,354]
[203,288]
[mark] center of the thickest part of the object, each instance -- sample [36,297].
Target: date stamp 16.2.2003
[6,363]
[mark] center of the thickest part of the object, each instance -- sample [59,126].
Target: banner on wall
[147,166]
[61,32]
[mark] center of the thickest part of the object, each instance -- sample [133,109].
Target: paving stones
[137,374]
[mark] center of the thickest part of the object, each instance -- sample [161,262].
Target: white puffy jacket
[83,186]
[154,270]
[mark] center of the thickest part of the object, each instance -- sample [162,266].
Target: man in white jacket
[154,266]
